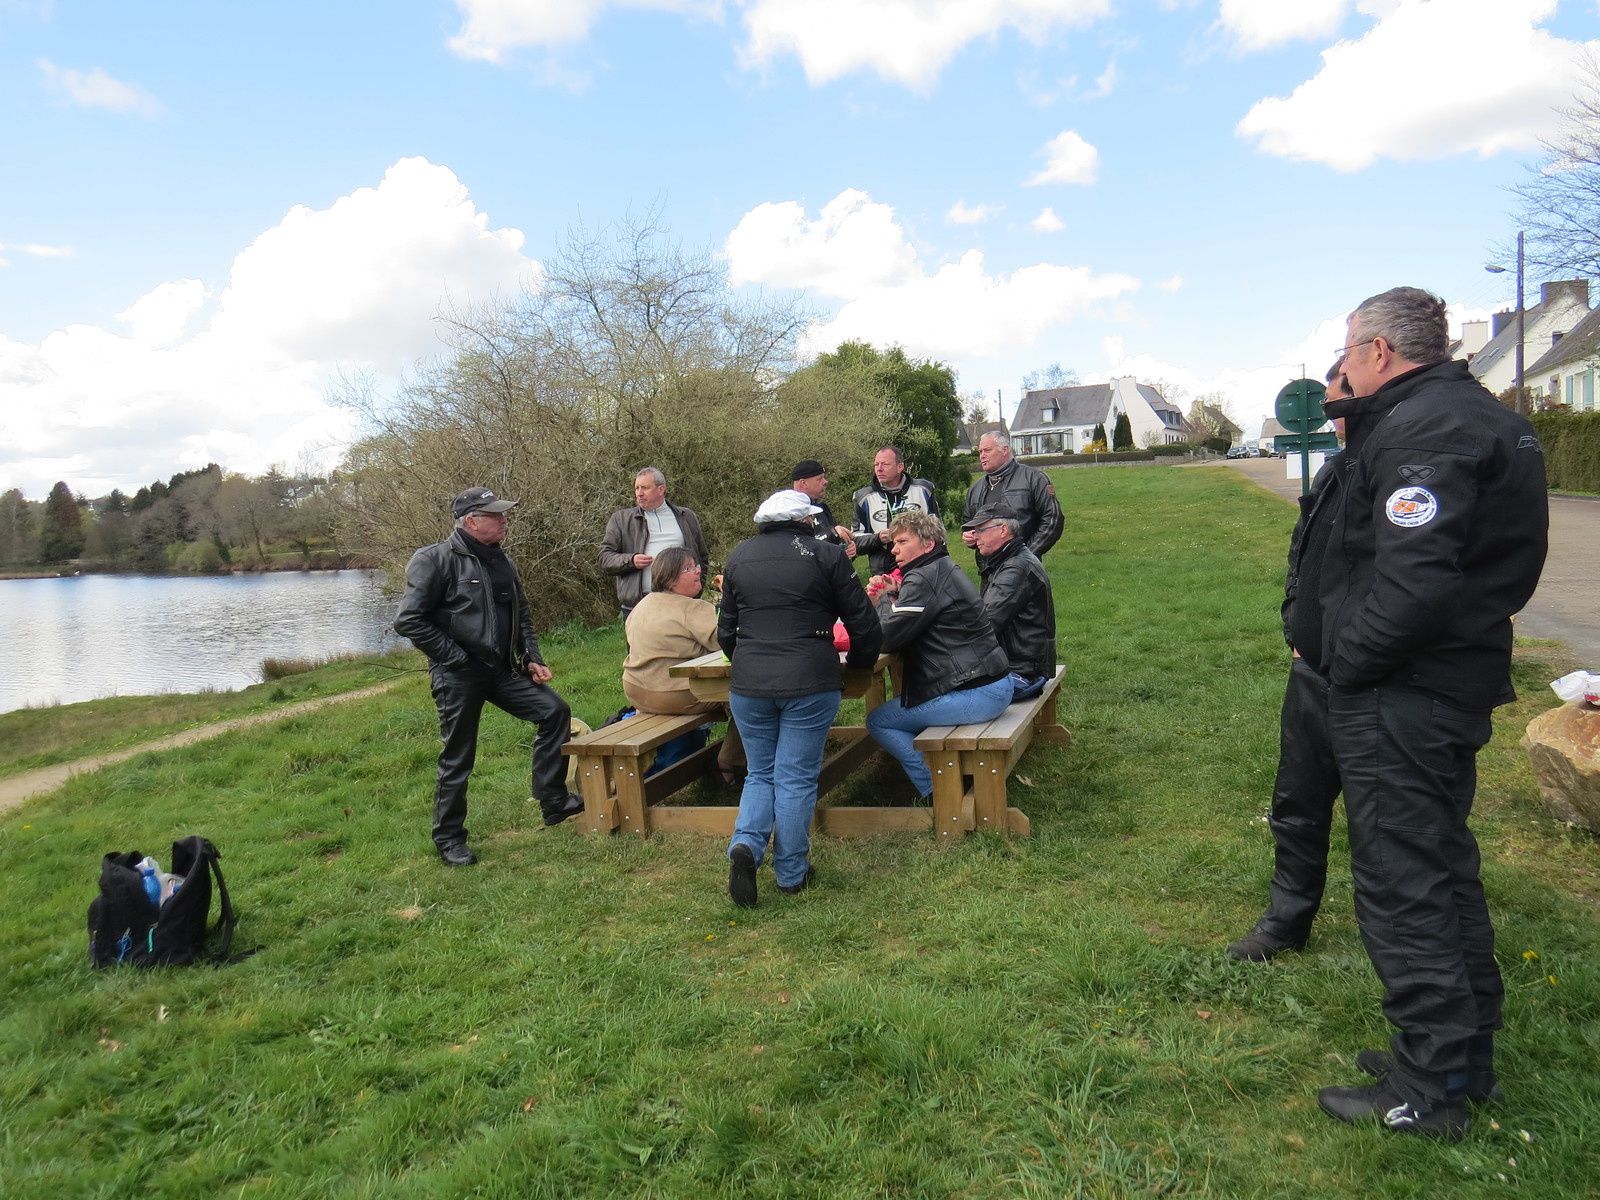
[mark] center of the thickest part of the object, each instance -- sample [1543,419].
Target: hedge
[1571,449]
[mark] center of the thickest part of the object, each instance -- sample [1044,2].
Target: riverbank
[580,1015]
[347,562]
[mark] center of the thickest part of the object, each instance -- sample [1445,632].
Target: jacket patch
[1528,442]
[1410,507]
[1417,474]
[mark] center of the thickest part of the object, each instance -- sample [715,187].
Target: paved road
[1566,606]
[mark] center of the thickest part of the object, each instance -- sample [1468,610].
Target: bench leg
[632,811]
[599,807]
[988,770]
[945,766]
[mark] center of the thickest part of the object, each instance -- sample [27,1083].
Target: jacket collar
[1001,555]
[924,560]
[1363,413]
[997,476]
[786,527]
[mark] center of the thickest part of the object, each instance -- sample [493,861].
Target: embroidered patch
[1417,474]
[1529,442]
[1410,507]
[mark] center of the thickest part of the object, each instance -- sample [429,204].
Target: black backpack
[125,927]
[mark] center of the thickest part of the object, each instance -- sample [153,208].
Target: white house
[1565,374]
[1061,420]
[1562,304]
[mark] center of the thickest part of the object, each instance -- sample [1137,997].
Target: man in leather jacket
[1026,490]
[891,492]
[1438,538]
[1016,598]
[635,535]
[465,608]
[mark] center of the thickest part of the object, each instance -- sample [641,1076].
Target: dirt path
[17,788]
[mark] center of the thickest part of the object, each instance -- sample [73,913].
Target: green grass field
[580,1016]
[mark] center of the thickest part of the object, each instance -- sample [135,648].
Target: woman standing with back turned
[782,592]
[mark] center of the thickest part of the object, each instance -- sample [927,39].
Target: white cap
[785,505]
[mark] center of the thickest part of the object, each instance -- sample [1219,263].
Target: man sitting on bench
[1016,598]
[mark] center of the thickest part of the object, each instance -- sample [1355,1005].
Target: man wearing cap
[634,536]
[890,493]
[465,608]
[810,479]
[1026,490]
[1016,598]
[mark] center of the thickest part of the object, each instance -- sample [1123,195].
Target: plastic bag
[1578,685]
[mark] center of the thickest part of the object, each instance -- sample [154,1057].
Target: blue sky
[212,211]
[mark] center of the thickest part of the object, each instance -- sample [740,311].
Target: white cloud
[1262,24]
[853,245]
[961,214]
[1171,284]
[242,379]
[1048,222]
[1426,81]
[32,250]
[492,29]
[857,252]
[1068,159]
[904,41]
[96,89]
[1105,83]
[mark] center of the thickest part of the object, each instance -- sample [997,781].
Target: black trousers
[1409,764]
[460,697]
[1302,806]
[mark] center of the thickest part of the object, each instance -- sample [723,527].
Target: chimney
[1500,322]
[1574,289]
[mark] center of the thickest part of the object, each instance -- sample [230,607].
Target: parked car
[1243,450]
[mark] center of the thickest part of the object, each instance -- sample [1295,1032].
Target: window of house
[1048,416]
[1588,390]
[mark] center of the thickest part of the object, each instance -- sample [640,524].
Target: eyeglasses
[1339,354]
[984,528]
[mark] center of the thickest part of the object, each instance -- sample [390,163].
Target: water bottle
[150,872]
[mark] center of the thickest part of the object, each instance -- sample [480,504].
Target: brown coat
[665,629]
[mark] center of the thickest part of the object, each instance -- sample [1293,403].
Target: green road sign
[1290,443]
[1299,405]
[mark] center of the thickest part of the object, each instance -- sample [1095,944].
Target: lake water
[88,636]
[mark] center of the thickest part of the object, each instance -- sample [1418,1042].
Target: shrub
[1571,449]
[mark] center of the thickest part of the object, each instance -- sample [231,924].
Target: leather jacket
[1438,537]
[782,591]
[448,610]
[627,534]
[875,506]
[1028,492]
[1020,606]
[938,627]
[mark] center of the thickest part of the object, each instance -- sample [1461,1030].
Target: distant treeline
[202,521]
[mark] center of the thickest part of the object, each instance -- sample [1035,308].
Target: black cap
[479,500]
[990,512]
[806,468]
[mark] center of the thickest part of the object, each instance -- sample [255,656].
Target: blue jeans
[784,738]
[895,727]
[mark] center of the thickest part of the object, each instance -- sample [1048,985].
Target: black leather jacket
[448,610]
[1028,492]
[782,591]
[1020,606]
[1438,538]
[937,626]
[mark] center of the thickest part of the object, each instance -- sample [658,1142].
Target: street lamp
[1495,269]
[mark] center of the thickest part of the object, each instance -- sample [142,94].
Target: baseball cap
[479,500]
[990,512]
[785,505]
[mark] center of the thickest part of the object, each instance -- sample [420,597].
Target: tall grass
[583,1016]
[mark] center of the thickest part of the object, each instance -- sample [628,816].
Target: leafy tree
[18,543]
[61,533]
[1122,437]
[923,396]
[142,499]
[1099,433]
[116,502]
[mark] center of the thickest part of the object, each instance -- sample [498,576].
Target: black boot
[1260,946]
[742,877]
[570,806]
[1448,1119]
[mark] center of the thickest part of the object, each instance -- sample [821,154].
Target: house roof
[1581,341]
[1505,342]
[971,431]
[1157,401]
[1085,404]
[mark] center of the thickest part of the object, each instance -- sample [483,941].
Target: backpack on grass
[125,926]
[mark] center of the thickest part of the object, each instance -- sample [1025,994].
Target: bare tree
[1561,198]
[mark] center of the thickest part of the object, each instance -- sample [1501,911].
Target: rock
[1564,747]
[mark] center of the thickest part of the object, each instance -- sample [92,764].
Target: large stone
[1564,746]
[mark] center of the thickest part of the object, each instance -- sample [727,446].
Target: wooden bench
[986,752]
[612,763]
